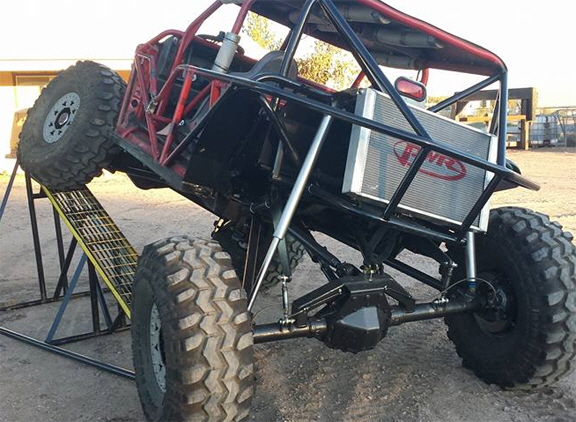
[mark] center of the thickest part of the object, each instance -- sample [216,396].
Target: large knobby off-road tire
[191,333]
[235,242]
[65,139]
[528,340]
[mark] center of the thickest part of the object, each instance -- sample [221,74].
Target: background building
[21,81]
[41,38]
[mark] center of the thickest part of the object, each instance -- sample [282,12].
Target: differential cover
[360,318]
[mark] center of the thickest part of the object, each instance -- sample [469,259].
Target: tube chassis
[163,160]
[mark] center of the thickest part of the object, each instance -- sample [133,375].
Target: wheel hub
[157,348]
[60,117]
[499,317]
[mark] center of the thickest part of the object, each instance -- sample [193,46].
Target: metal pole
[295,36]
[251,260]
[424,311]
[480,203]
[37,302]
[275,331]
[369,65]
[405,183]
[292,202]
[8,189]
[398,315]
[116,370]
[81,337]
[59,240]
[66,299]
[502,119]
[463,94]
[415,273]
[93,280]
[103,304]
[36,238]
[63,280]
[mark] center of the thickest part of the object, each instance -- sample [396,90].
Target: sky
[538,43]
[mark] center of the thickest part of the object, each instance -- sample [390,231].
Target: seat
[269,63]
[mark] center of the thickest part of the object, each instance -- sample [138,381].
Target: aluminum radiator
[444,190]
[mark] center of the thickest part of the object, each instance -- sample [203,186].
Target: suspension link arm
[293,201]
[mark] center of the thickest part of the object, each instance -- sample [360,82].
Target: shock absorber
[226,52]
[470,258]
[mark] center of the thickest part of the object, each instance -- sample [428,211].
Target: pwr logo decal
[436,165]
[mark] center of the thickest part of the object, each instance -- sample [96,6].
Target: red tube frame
[149,104]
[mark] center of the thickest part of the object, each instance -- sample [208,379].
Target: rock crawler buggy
[276,158]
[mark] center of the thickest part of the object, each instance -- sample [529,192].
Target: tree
[483,109]
[435,99]
[328,65]
[325,64]
[258,28]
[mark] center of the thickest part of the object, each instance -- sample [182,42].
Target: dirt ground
[414,374]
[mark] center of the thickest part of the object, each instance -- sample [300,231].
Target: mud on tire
[191,333]
[530,340]
[65,139]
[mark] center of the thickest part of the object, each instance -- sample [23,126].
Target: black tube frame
[314,105]
[36,237]
[381,82]
[285,89]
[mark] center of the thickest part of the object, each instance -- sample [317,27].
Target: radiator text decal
[436,164]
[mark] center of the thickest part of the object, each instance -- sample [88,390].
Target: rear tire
[235,242]
[528,339]
[191,334]
[65,140]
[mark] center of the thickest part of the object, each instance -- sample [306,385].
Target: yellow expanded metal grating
[107,248]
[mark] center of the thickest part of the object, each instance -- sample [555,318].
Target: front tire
[527,339]
[65,140]
[191,334]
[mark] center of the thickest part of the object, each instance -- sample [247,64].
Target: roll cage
[156,108]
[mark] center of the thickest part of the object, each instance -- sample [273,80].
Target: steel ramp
[102,241]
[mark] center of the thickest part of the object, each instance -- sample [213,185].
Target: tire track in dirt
[551,404]
[316,383]
[412,375]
